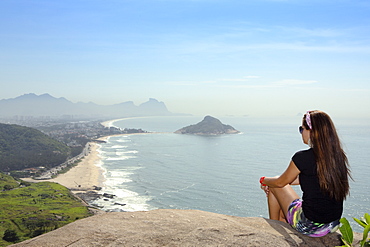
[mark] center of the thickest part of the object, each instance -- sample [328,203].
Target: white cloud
[182,83]
[252,76]
[245,82]
[313,32]
[235,80]
[293,82]
[207,82]
[190,83]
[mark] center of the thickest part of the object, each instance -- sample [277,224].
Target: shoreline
[109,123]
[85,176]
[88,174]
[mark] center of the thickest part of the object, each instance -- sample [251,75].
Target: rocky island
[208,126]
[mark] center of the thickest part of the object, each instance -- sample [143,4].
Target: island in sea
[208,126]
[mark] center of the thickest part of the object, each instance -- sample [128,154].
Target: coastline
[85,176]
[88,174]
[110,123]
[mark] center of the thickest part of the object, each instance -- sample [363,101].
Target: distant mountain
[153,105]
[47,105]
[208,126]
[23,147]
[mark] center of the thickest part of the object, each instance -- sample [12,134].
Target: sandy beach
[83,177]
[110,123]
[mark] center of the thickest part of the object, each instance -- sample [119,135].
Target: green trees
[23,147]
[7,182]
[10,236]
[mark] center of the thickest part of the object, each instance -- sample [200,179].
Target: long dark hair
[332,163]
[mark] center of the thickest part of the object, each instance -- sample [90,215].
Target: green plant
[347,232]
[10,236]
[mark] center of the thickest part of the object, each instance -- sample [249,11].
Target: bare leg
[275,211]
[279,200]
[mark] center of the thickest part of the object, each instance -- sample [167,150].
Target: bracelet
[261,181]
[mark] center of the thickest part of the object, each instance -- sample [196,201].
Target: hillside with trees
[208,126]
[23,147]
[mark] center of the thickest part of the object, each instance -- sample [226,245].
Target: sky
[203,57]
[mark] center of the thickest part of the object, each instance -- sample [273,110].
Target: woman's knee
[285,196]
[287,190]
[276,191]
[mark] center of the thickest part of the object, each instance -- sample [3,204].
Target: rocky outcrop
[208,126]
[167,227]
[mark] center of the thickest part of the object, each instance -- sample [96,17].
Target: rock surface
[171,227]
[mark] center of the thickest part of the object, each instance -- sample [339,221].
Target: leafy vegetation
[347,233]
[7,182]
[23,147]
[28,211]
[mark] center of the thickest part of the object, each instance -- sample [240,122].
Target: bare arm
[289,176]
[296,181]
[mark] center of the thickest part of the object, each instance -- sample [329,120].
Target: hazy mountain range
[47,105]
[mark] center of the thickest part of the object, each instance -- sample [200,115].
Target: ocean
[216,173]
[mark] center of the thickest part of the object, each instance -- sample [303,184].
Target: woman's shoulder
[304,159]
[303,153]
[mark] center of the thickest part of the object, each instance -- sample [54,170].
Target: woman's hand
[265,189]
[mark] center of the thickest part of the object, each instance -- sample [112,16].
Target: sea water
[216,173]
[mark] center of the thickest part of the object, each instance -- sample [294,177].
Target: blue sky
[218,57]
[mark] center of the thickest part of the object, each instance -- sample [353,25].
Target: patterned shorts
[298,221]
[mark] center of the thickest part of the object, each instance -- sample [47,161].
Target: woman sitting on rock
[322,171]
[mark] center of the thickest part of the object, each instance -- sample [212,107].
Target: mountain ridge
[46,105]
